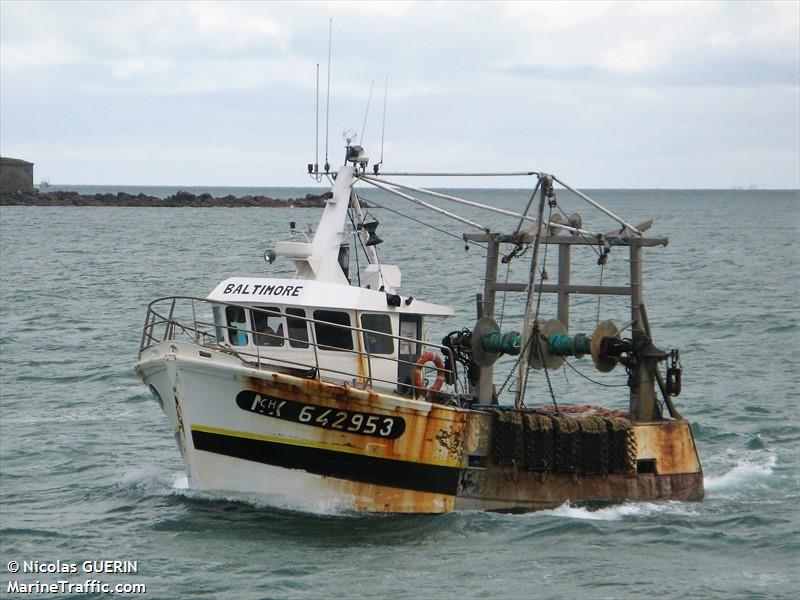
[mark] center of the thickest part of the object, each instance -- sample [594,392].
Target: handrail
[206,333]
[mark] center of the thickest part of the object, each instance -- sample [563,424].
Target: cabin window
[237,325]
[408,351]
[330,334]
[268,325]
[219,321]
[298,328]
[375,343]
[410,327]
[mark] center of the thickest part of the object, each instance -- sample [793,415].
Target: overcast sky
[604,94]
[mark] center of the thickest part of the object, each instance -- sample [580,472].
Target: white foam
[608,513]
[618,512]
[152,480]
[180,481]
[754,467]
[177,484]
[148,478]
[266,501]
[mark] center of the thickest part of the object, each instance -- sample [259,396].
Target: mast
[485,387]
[319,259]
[545,191]
[642,396]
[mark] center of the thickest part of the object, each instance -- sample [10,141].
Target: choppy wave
[619,512]
[754,467]
[90,470]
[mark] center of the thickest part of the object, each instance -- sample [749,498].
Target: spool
[606,329]
[479,355]
[540,355]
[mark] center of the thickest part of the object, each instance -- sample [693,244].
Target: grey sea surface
[89,469]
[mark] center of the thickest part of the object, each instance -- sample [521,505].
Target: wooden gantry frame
[642,395]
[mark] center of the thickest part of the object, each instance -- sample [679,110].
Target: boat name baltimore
[263,290]
[351,421]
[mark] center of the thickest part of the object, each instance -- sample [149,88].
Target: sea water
[89,470]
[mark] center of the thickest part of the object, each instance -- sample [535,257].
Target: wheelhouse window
[219,321]
[237,325]
[297,328]
[410,327]
[333,333]
[374,341]
[268,325]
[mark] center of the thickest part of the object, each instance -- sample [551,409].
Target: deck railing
[175,318]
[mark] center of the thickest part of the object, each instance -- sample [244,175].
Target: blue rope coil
[504,343]
[562,344]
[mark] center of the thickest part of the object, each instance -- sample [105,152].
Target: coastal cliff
[180,199]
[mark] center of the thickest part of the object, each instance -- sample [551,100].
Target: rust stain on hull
[461,440]
[385,499]
[433,436]
[669,444]
[420,442]
[507,488]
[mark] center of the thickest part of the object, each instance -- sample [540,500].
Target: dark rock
[179,199]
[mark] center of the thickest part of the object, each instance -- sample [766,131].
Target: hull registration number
[351,421]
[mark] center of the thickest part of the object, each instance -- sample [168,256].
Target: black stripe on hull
[341,465]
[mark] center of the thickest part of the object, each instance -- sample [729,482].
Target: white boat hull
[349,459]
[306,444]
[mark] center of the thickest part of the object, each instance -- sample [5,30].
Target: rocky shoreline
[180,199]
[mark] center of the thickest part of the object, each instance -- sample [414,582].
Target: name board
[258,289]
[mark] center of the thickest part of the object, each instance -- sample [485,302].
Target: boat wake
[152,481]
[619,512]
[754,467]
[750,470]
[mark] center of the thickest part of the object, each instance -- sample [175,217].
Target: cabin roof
[315,294]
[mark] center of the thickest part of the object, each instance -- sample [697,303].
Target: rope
[600,296]
[516,364]
[543,271]
[550,386]
[609,385]
[505,293]
[536,318]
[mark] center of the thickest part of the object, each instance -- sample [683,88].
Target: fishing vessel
[330,387]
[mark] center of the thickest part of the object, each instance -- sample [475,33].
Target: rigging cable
[600,296]
[505,293]
[361,243]
[551,204]
[434,227]
[583,235]
[518,252]
[328,95]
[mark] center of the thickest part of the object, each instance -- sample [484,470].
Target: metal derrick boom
[642,357]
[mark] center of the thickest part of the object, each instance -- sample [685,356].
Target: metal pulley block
[674,372]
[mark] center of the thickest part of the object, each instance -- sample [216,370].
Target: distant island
[179,199]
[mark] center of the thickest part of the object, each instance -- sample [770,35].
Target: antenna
[328,98]
[366,113]
[316,146]
[383,125]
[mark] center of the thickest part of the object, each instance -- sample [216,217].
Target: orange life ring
[416,376]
